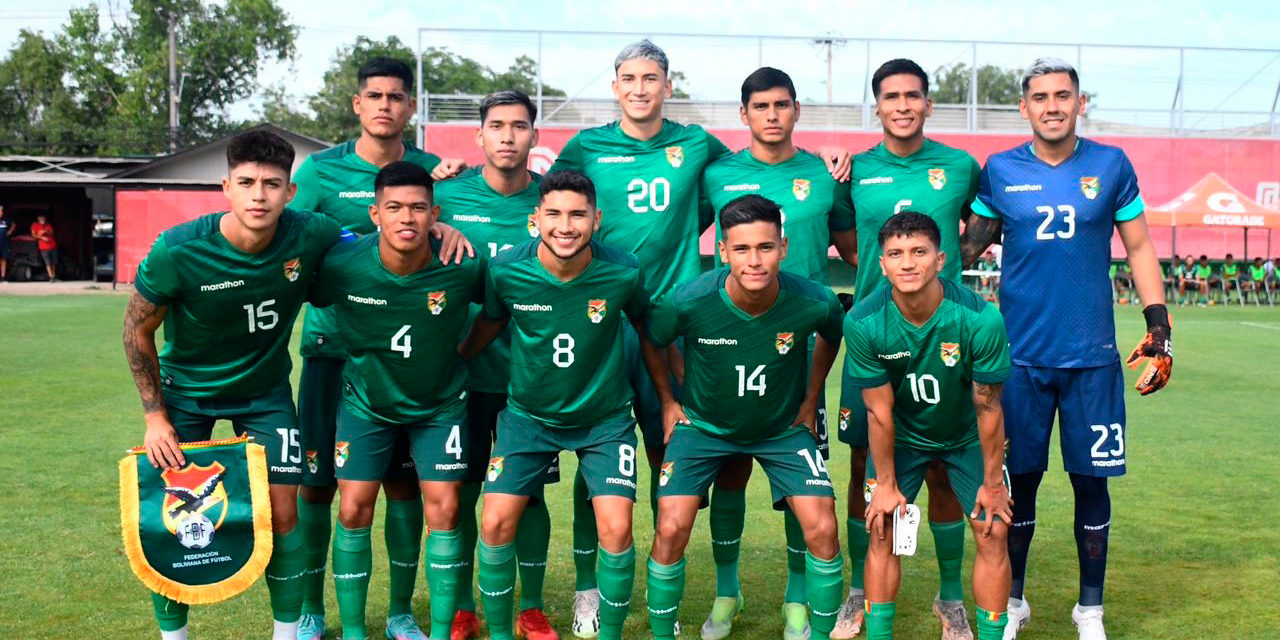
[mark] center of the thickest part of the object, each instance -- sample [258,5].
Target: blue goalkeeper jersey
[1058,222]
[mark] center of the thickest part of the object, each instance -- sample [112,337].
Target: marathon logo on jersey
[1021,188]
[746,186]
[293,269]
[615,159]
[845,414]
[664,476]
[784,341]
[341,451]
[800,189]
[937,178]
[950,353]
[876,180]
[1090,186]
[533,226]
[195,503]
[596,310]
[355,194]
[436,301]
[313,461]
[675,156]
[495,469]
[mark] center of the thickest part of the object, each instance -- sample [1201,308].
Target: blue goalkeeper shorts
[1089,405]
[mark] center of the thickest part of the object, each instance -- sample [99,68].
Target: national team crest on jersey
[668,468]
[341,451]
[533,226]
[937,178]
[313,461]
[800,189]
[596,310]
[675,156]
[845,414]
[868,488]
[950,353]
[293,269]
[195,503]
[495,469]
[436,301]
[784,342]
[1090,186]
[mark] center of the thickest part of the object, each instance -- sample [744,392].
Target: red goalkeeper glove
[1157,347]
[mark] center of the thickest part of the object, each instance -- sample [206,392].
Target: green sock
[284,575]
[533,536]
[315,521]
[948,544]
[352,564]
[171,615]
[879,620]
[467,499]
[444,549]
[991,624]
[825,588]
[585,539]
[496,578]
[728,517]
[665,589]
[403,533]
[616,576]
[795,559]
[858,541]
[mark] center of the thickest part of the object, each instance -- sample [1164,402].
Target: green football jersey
[813,203]
[1257,273]
[649,193]
[230,313]
[566,348]
[932,367]
[493,222]
[400,332]
[338,183]
[1203,271]
[938,181]
[1230,270]
[745,376]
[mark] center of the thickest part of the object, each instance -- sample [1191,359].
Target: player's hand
[808,417]
[453,245]
[884,500]
[161,442]
[672,415]
[839,162]
[1157,348]
[995,501]
[448,168]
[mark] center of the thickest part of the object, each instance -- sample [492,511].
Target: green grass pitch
[1194,535]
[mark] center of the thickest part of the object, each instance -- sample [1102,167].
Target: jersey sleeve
[570,158]
[861,368]
[307,177]
[1128,203]
[990,347]
[157,278]
[715,148]
[984,202]
[841,216]
[494,307]
[975,176]
[663,322]
[637,306]
[832,322]
[321,293]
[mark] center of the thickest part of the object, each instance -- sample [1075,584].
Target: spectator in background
[1186,278]
[1257,281]
[1203,276]
[6,230]
[42,231]
[1170,276]
[1122,281]
[1230,277]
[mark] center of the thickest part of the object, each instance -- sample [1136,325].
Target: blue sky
[1124,78]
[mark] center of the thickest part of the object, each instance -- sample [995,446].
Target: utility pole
[173,81]
[829,43]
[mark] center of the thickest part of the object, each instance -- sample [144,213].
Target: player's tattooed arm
[142,319]
[993,496]
[483,331]
[979,233]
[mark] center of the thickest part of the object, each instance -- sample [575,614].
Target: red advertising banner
[141,215]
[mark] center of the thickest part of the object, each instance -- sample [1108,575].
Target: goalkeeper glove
[1156,346]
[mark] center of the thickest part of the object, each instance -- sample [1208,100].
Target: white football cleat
[586,613]
[849,619]
[1018,618]
[1088,623]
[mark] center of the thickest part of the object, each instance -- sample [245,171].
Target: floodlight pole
[539,74]
[866,85]
[422,104]
[1274,100]
[173,81]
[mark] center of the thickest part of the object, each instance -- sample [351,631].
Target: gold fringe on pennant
[260,496]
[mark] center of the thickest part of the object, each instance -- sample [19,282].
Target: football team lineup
[464,326]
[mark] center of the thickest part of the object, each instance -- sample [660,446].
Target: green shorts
[367,450]
[646,405]
[964,470]
[319,394]
[270,419]
[792,461]
[852,419]
[526,448]
[483,408]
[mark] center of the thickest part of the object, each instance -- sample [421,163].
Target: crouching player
[565,294]
[746,393]
[930,357]
[397,304]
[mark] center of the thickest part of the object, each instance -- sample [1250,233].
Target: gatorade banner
[202,533]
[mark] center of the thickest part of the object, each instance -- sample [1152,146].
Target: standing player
[930,357]
[338,183]
[741,325]
[564,293]
[227,287]
[647,170]
[394,298]
[906,171]
[816,211]
[492,204]
[1057,201]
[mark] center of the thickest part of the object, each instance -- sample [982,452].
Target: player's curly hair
[568,181]
[750,208]
[260,147]
[910,223]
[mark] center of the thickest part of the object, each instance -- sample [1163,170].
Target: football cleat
[795,621]
[465,625]
[1019,616]
[849,619]
[404,627]
[310,627]
[724,610]
[586,613]
[533,624]
[1088,623]
[955,624]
